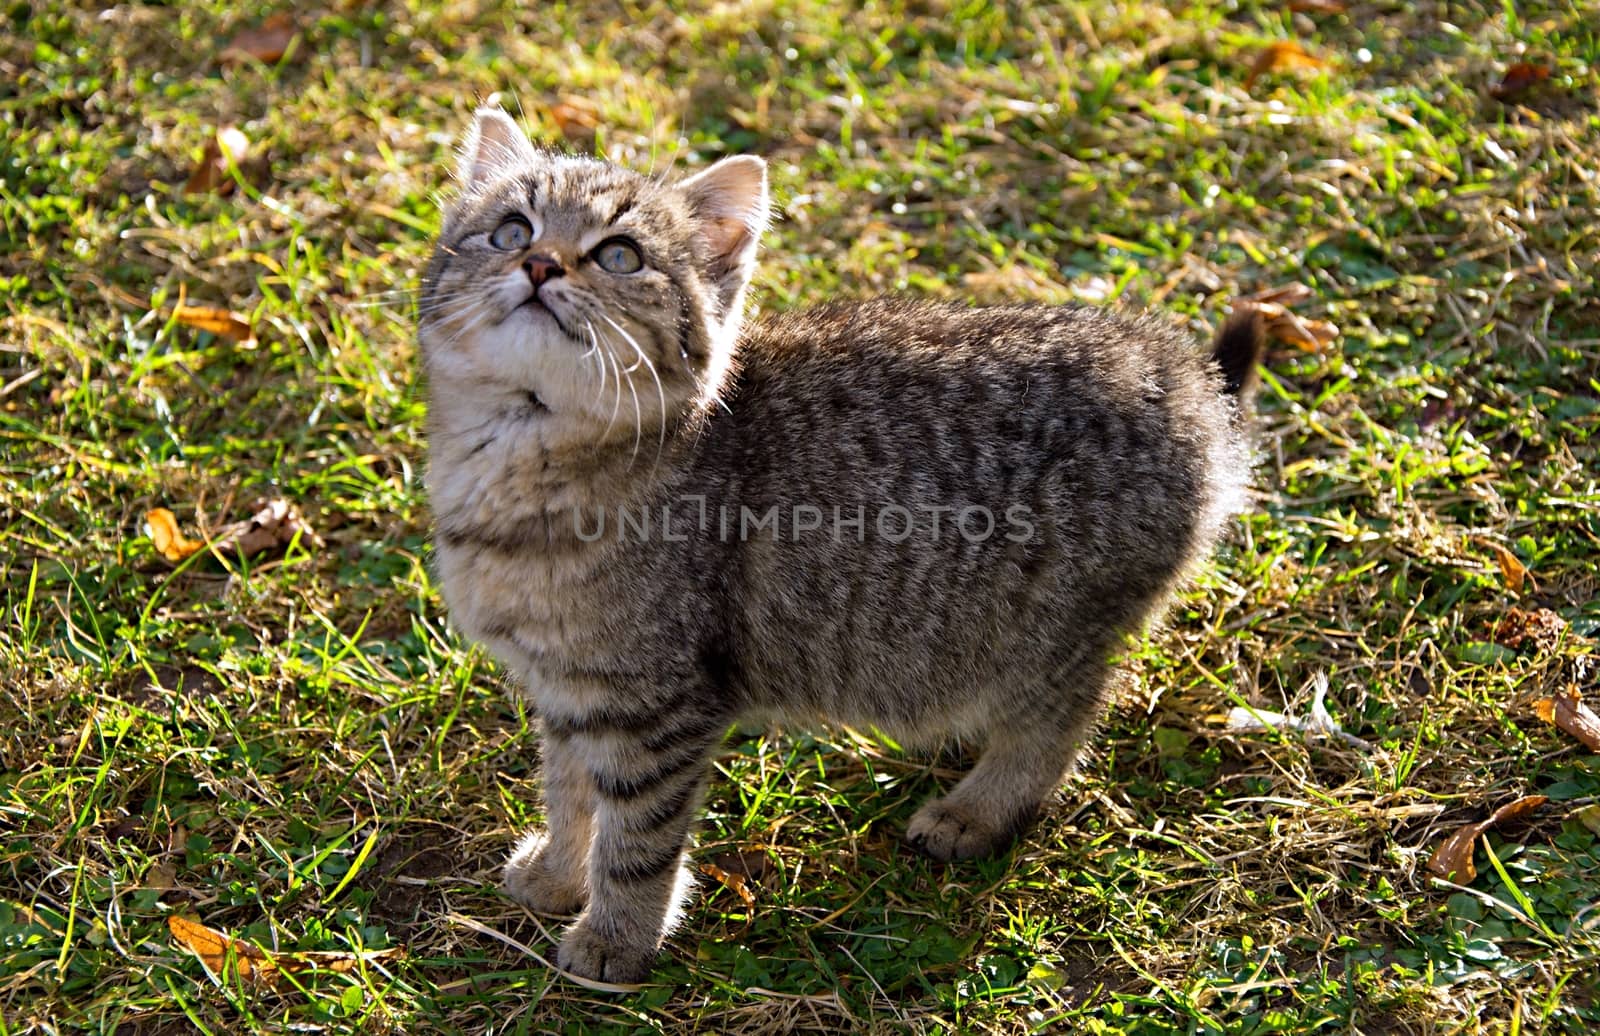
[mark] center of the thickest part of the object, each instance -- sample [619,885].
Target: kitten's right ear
[493,146]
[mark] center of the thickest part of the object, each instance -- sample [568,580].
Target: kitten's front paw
[946,831]
[587,953]
[534,879]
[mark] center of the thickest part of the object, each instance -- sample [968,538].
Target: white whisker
[638,416]
[600,360]
[402,297]
[615,410]
[661,438]
[470,320]
[638,424]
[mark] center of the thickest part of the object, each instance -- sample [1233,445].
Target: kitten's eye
[618,255]
[511,235]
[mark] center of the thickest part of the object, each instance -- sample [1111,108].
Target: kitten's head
[587,285]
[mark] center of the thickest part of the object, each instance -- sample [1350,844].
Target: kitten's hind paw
[533,879]
[946,831]
[588,954]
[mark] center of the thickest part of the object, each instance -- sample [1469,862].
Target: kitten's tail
[1237,350]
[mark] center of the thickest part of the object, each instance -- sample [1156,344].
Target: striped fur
[1119,440]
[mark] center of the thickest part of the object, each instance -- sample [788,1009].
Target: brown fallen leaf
[162,876]
[169,540]
[734,883]
[267,42]
[1453,859]
[212,173]
[275,525]
[1318,6]
[177,838]
[1290,328]
[1302,332]
[1519,79]
[1568,712]
[1283,56]
[221,322]
[751,864]
[576,117]
[255,964]
[1542,628]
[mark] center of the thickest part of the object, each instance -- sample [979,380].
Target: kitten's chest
[513,569]
[532,603]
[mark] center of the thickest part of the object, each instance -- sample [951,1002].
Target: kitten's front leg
[646,791]
[549,870]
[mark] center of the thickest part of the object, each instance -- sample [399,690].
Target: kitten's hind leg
[1021,765]
[548,872]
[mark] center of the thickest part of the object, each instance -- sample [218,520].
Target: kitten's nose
[541,268]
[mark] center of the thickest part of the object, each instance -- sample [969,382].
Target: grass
[297,751]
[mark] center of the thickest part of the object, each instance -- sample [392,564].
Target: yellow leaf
[214,949]
[221,322]
[1512,570]
[169,540]
[1282,56]
[734,883]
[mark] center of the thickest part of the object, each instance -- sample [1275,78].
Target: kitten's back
[1123,416]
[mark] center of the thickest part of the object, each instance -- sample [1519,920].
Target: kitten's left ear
[494,145]
[730,209]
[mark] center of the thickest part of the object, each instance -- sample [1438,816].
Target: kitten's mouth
[534,304]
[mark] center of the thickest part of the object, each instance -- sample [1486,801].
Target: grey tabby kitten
[929,519]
